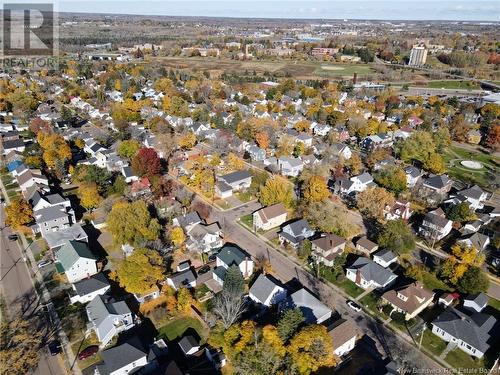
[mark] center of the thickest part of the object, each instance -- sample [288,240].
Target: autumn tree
[328,217]
[276,190]
[315,189]
[303,126]
[355,164]
[19,213]
[184,300]
[177,236]
[460,213]
[128,148]
[89,195]
[392,178]
[132,223]
[286,145]
[234,162]
[493,139]
[140,272]
[262,139]
[55,149]
[146,162]
[461,259]
[397,236]
[311,348]
[372,202]
[474,281]
[271,336]
[187,140]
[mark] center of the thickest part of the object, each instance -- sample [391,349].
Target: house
[366,246]
[189,345]
[471,333]
[306,139]
[344,335]
[296,232]
[435,225]
[341,151]
[129,175]
[270,217]
[477,240]
[321,130]
[447,299]
[182,279]
[476,302]
[313,310]
[204,238]
[232,182]
[401,209]
[266,292]
[290,167]
[87,289]
[187,221]
[256,153]
[368,274]
[13,145]
[31,177]
[410,300]
[52,219]
[140,187]
[440,184]
[385,258]
[73,233]
[474,195]
[108,317]
[76,261]
[361,182]
[381,140]
[216,357]
[148,295]
[327,247]
[231,255]
[122,359]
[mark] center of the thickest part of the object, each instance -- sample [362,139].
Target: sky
[471,10]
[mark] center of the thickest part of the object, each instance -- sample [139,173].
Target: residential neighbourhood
[165,219]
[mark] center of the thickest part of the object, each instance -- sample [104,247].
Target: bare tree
[229,307]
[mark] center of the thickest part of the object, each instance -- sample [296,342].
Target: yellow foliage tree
[184,300]
[177,236]
[187,141]
[55,149]
[19,213]
[262,140]
[271,337]
[303,126]
[316,189]
[234,162]
[276,190]
[89,195]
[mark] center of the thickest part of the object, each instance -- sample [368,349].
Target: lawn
[80,345]
[459,359]
[349,287]
[178,326]
[370,302]
[495,303]
[339,70]
[244,196]
[247,220]
[432,282]
[459,85]
[433,343]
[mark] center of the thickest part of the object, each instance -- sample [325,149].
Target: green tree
[397,237]
[234,282]
[289,323]
[132,223]
[328,217]
[128,148]
[392,178]
[140,272]
[461,212]
[473,281]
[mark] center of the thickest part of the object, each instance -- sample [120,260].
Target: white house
[266,292]
[435,225]
[385,258]
[231,255]
[182,279]
[76,261]
[361,182]
[344,336]
[122,359]
[476,302]
[313,310]
[87,289]
[368,274]
[270,217]
[204,238]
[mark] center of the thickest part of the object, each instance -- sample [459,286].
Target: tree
[140,272]
[233,281]
[128,148]
[234,162]
[461,212]
[229,304]
[328,217]
[272,337]
[286,145]
[132,223]
[184,300]
[146,162]
[289,323]
[434,163]
[473,281]
[462,258]
[19,213]
[458,128]
[303,126]
[187,141]
[262,139]
[376,155]
[89,196]
[258,359]
[397,236]
[276,190]
[392,178]
[373,201]
[92,174]
[355,164]
[20,346]
[316,189]
[311,348]
[177,236]
[493,138]
[55,149]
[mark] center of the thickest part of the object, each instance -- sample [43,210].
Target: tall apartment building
[418,56]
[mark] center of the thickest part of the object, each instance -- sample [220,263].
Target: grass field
[495,303]
[433,343]
[342,70]
[178,326]
[349,287]
[459,359]
[247,220]
[459,85]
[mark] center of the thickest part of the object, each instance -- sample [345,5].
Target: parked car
[13,237]
[353,305]
[44,263]
[55,347]
[203,269]
[88,352]
[212,257]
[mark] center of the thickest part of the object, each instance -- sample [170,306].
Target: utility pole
[421,337]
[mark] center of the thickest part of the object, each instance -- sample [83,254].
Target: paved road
[18,291]
[285,269]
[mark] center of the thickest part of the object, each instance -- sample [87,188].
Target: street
[19,293]
[285,269]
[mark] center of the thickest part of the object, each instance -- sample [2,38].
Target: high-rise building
[418,56]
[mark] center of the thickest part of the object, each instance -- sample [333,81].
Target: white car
[44,263]
[353,305]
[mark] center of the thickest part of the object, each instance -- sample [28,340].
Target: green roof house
[76,260]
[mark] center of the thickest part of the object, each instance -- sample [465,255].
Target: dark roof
[438,182]
[183,278]
[473,192]
[372,271]
[298,227]
[189,219]
[91,284]
[480,299]
[366,243]
[386,255]
[328,241]
[231,254]
[236,176]
[413,171]
[15,143]
[119,356]
[436,218]
[473,329]
[187,343]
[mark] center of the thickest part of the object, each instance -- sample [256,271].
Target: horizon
[377,10]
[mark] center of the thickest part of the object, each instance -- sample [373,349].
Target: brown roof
[329,241]
[413,292]
[366,243]
[342,331]
[270,212]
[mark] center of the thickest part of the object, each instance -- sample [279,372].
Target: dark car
[203,270]
[212,257]
[55,347]
[88,352]
[13,237]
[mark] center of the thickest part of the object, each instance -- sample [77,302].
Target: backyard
[459,359]
[176,328]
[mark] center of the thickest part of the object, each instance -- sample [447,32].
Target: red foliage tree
[493,139]
[38,125]
[146,162]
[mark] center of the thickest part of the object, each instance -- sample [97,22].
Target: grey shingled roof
[74,232]
[92,284]
[101,311]
[236,176]
[119,356]
[297,227]
[50,213]
[473,192]
[473,329]
[311,307]
[386,255]
[262,288]
[187,343]
[480,299]
[372,271]
[183,278]
[189,219]
[438,182]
